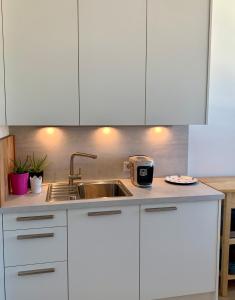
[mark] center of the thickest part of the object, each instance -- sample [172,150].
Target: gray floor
[231,294]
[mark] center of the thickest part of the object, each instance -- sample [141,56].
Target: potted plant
[37,166]
[20,176]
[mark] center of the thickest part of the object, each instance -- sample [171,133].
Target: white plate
[181,179]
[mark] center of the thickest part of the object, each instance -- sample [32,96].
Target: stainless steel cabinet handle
[36,272]
[34,236]
[160,209]
[34,218]
[104,213]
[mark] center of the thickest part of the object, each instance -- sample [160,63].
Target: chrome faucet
[73,176]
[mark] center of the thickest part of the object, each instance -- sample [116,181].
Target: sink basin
[87,190]
[102,189]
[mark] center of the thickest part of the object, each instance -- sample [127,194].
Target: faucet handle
[75,176]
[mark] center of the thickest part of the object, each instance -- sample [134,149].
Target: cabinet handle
[35,236]
[34,218]
[104,213]
[36,272]
[160,209]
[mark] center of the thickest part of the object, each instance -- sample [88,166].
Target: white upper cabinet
[112,51]
[41,56]
[177,61]
[2,93]
[139,62]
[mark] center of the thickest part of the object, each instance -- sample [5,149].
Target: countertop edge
[109,203]
[160,193]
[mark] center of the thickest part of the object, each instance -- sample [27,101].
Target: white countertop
[160,192]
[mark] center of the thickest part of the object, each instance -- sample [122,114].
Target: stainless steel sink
[87,190]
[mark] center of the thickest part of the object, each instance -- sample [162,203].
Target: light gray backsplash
[168,146]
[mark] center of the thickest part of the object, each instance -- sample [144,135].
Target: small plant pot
[36,184]
[32,174]
[19,183]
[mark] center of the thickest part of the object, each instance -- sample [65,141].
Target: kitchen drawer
[37,282]
[33,246]
[34,220]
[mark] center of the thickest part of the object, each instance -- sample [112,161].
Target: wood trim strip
[7,154]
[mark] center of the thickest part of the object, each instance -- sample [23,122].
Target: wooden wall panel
[7,154]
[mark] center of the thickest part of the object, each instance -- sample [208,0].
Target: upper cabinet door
[2,93]
[177,65]
[112,51]
[41,56]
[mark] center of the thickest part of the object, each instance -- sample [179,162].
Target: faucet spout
[73,176]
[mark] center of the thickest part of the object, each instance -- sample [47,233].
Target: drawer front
[33,246]
[37,282]
[34,220]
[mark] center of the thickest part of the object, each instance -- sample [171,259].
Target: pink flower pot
[19,183]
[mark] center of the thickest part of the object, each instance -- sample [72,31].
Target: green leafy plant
[37,165]
[21,166]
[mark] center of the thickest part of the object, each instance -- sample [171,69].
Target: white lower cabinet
[178,249]
[37,282]
[143,252]
[104,253]
[35,255]
[2,296]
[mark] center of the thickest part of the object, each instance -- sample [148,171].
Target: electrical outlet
[126,167]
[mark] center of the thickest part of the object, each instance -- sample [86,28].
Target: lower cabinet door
[2,296]
[104,253]
[37,282]
[178,246]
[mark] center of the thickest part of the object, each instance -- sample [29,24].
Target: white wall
[3,131]
[212,147]
[2,90]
